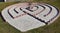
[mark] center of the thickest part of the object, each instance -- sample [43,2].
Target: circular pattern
[25,17]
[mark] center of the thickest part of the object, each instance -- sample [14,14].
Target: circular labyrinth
[25,17]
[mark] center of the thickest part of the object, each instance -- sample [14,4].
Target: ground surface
[53,28]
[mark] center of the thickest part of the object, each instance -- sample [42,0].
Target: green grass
[53,28]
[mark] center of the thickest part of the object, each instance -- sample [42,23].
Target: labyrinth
[26,16]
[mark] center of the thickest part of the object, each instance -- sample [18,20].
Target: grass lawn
[53,28]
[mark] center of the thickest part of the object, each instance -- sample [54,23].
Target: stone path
[23,18]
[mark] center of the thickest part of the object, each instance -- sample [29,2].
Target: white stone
[26,22]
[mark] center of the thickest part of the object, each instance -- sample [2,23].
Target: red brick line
[26,14]
[20,15]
